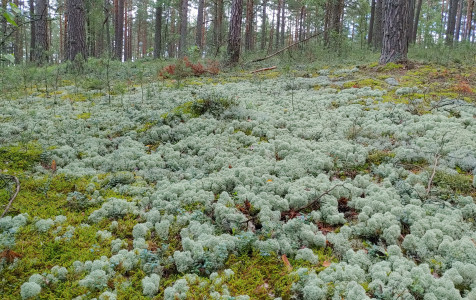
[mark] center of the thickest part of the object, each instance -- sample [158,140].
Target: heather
[303,182]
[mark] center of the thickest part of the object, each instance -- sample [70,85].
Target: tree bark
[182,48]
[263,26]
[458,21]
[450,29]
[119,29]
[18,44]
[158,30]
[32,30]
[469,19]
[395,42]
[378,25]
[249,25]
[283,22]
[234,40]
[199,33]
[42,45]
[416,21]
[371,23]
[76,43]
[278,23]
[410,20]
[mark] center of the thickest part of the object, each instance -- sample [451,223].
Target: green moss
[377,157]
[83,116]
[20,157]
[460,183]
[367,82]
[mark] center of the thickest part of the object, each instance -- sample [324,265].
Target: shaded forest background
[49,31]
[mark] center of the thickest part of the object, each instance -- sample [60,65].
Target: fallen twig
[435,165]
[287,47]
[17,190]
[312,203]
[263,69]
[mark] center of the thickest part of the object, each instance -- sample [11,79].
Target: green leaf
[15,8]
[10,18]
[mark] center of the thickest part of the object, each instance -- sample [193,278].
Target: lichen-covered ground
[319,184]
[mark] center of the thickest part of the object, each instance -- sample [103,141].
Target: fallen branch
[312,203]
[263,69]
[286,48]
[17,190]
[435,165]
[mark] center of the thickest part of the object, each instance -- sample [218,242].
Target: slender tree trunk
[411,17]
[450,29]
[458,20]
[271,34]
[278,24]
[42,46]
[182,49]
[416,21]
[249,25]
[371,23]
[395,41]
[173,29]
[199,33]
[327,22]
[76,44]
[18,41]
[378,25]
[263,26]
[32,30]
[234,40]
[283,22]
[158,30]
[469,19]
[119,29]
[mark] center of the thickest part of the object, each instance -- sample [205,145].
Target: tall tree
[118,28]
[42,45]
[249,25]
[182,48]
[450,28]
[416,21]
[469,19]
[199,31]
[158,29]
[234,39]
[218,24]
[263,26]
[378,25]
[76,42]
[459,15]
[371,23]
[278,23]
[395,41]
[32,29]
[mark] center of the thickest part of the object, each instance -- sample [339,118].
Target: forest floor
[232,176]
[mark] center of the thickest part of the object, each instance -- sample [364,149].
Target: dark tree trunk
[283,22]
[416,21]
[249,25]
[278,23]
[199,34]
[450,29]
[410,20]
[234,40]
[371,23]
[76,43]
[32,30]
[263,26]
[18,44]
[395,42]
[469,19]
[42,46]
[458,21]
[119,29]
[158,30]
[182,48]
[378,25]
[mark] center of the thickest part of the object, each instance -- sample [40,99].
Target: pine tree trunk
[278,24]
[371,23]
[378,25]
[458,21]
[199,32]
[32,30]
[41,53]
[411,17]
[234,40]
[183,28]
[263,26]
[119,29]
[395,42]
[76,43]
[283,22]
[158,30]
[469,19]
[249,25]
[18,41]
[450,29]
[416,21]
[173,28]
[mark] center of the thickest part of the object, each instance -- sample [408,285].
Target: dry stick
[264,69]
[17,182]
[319,198]
[287,47]
[428,188]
